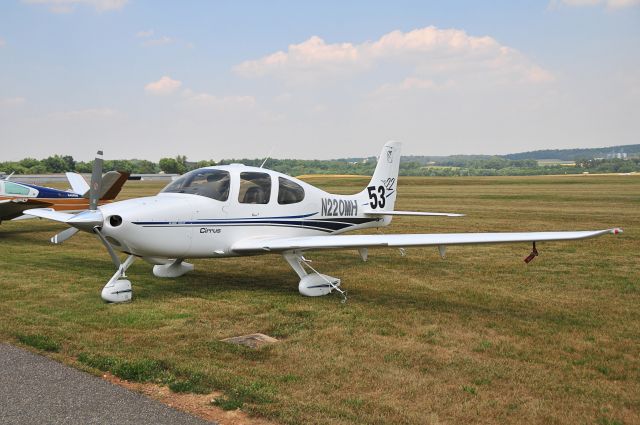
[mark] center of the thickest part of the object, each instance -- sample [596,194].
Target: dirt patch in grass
[199,405]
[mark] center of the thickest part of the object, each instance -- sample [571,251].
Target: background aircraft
[235,210]
[17,197]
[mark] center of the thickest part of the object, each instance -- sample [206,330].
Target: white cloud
[144,34]
[68,6]
[85,114]
[2,42]
[209,100]
[428,52]
[164,86]
[160,41]
[412,84]
[312,55]
[149,41]
[611,4]
[12,102]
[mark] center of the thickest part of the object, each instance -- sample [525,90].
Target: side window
[15,189]
[255,188]
[289,192]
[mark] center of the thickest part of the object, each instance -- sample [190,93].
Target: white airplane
[236,210]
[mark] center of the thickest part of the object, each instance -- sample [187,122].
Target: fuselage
[16,197]
[14,190]
[204,212]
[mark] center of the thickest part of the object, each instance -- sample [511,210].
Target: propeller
[92,218]
[64,235]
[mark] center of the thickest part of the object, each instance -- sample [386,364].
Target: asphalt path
[37,390]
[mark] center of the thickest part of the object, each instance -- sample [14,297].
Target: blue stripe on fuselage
[48,192]
[328,225]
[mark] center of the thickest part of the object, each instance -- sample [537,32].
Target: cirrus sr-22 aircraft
[236,210]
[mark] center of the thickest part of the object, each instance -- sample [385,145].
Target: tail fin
[383,187]
[112,183]
[78,184]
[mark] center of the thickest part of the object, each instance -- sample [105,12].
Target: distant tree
[142,166]
[55,164]
[173,165]
[205,163]
[83,167]
[70,163]
[29,162]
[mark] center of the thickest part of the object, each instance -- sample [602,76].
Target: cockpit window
[213,184]
[15,189]
[289,192]
[255,188]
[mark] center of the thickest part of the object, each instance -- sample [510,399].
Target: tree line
[410,166]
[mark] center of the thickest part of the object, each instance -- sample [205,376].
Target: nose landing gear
[119,290]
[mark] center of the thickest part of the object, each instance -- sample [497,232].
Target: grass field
[478,337]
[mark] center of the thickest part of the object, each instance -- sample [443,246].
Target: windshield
[213,184]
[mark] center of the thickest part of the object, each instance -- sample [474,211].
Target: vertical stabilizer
[382,189]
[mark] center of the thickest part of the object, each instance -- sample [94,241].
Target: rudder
[383,187]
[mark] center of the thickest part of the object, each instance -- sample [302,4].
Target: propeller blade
[96,182]
[64,235]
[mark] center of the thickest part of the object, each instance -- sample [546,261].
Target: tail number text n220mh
[339,207]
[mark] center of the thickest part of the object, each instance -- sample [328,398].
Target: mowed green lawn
[477,337]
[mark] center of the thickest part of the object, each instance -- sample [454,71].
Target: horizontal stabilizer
[401,240]
[412,213]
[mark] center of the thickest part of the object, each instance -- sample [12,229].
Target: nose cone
[86,220]
[151,226]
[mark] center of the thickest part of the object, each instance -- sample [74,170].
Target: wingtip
[616,231]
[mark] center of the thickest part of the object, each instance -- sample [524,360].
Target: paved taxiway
[37,390]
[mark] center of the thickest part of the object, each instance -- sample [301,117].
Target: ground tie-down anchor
[534,254]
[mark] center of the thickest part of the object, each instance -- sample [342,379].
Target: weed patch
[41,342]
[469,389]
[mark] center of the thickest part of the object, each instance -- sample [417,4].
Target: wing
[12,208]
[412,213]
[248,246]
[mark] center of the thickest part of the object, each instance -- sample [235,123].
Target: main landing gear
[312,284]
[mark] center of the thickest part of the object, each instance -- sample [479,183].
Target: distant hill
[573,154]
[561,154]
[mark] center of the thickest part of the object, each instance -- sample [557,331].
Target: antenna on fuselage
[267,158]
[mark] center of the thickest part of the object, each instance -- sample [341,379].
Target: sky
[291,79]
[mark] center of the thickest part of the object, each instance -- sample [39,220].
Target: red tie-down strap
[534,254]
